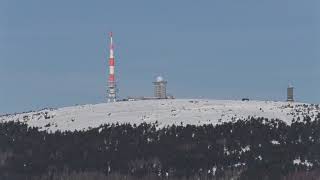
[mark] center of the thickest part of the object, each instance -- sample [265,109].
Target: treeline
[256,148]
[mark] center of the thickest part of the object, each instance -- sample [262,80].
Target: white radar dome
[159,78]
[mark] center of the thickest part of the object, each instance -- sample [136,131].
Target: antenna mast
[111,80]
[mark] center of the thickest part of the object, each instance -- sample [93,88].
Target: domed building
[160,88]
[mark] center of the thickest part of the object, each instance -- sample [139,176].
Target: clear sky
[54,53]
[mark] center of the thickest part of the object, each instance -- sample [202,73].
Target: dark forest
[253,148]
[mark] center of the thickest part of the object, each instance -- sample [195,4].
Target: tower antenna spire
[111,80]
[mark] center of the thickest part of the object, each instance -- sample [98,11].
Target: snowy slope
[165,112]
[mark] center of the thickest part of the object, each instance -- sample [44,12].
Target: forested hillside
[253,148]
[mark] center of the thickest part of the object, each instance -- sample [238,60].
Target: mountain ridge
[163,112]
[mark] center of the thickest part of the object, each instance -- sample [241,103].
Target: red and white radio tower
[112,80]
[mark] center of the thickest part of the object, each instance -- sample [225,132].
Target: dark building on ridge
[290,94]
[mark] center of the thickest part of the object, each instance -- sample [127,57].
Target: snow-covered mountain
[164,112]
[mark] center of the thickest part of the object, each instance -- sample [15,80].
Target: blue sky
[53,53]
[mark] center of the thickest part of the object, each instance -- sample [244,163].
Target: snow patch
[275,142]
[303,163]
